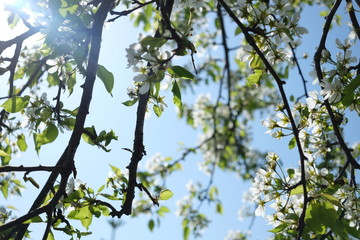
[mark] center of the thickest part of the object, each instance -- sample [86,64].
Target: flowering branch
[353,18]
[319,73]
[138,147]
[280,84]
[65,164]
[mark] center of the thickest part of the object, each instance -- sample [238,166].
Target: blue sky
[161,135]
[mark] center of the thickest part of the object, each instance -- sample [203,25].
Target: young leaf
[219,208]
[177,95]
[292,143]
[299,189]
[129,103]
[157,110]
[36,219]
[21,143]
[254,78]
[152,42]
[186,232]
[180,72]
[165,194]
[47,136]
[107,78]
[101,188]
[16,104]
[151,225]
[3,153]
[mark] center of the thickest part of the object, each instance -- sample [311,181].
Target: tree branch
[299,70]
[21,168]
[66,161]
[138,147]
[127,12]
[280,84]
[317,61]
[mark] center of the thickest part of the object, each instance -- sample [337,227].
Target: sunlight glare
[6,32]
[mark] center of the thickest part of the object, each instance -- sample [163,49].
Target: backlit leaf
[21,143]
[16,104]
[180,72]
[254,78]
[106,77]
[152,42]
[166,194]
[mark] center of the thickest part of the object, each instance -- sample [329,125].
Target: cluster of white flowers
[183,205]
[148,62]
[283,26]
[31,113]
[156,163]
[198,5]
[200,112]
[36,115]
[237,235]
[270,184]
[71,186]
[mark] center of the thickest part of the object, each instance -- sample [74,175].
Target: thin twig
[299,70]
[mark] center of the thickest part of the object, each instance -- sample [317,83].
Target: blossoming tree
[243,48]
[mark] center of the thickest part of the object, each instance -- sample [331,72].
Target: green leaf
[157,110]
[80,214]
[5,189]
[47,136]
[50,236]
[180,72]
[151,225]
[219,208]
[110,197]
[186,232]
[76,195]
[237,31]
[116,170]
[279,228]
[101,188]
[129,103]
[352,86]
[162,210]
[16,104]
[3,153]
[320,216]
[87,221]
[107,78]
[21,143]
[176,95]
[332,199]
[51,133]
[328,214]
[6,159]
[152,42]
[13,19]
[292,143]
[89,135]
[256,63]
[298,190]
[165,194]
[36,219]
[254,78]
[347,99]
[290,172]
